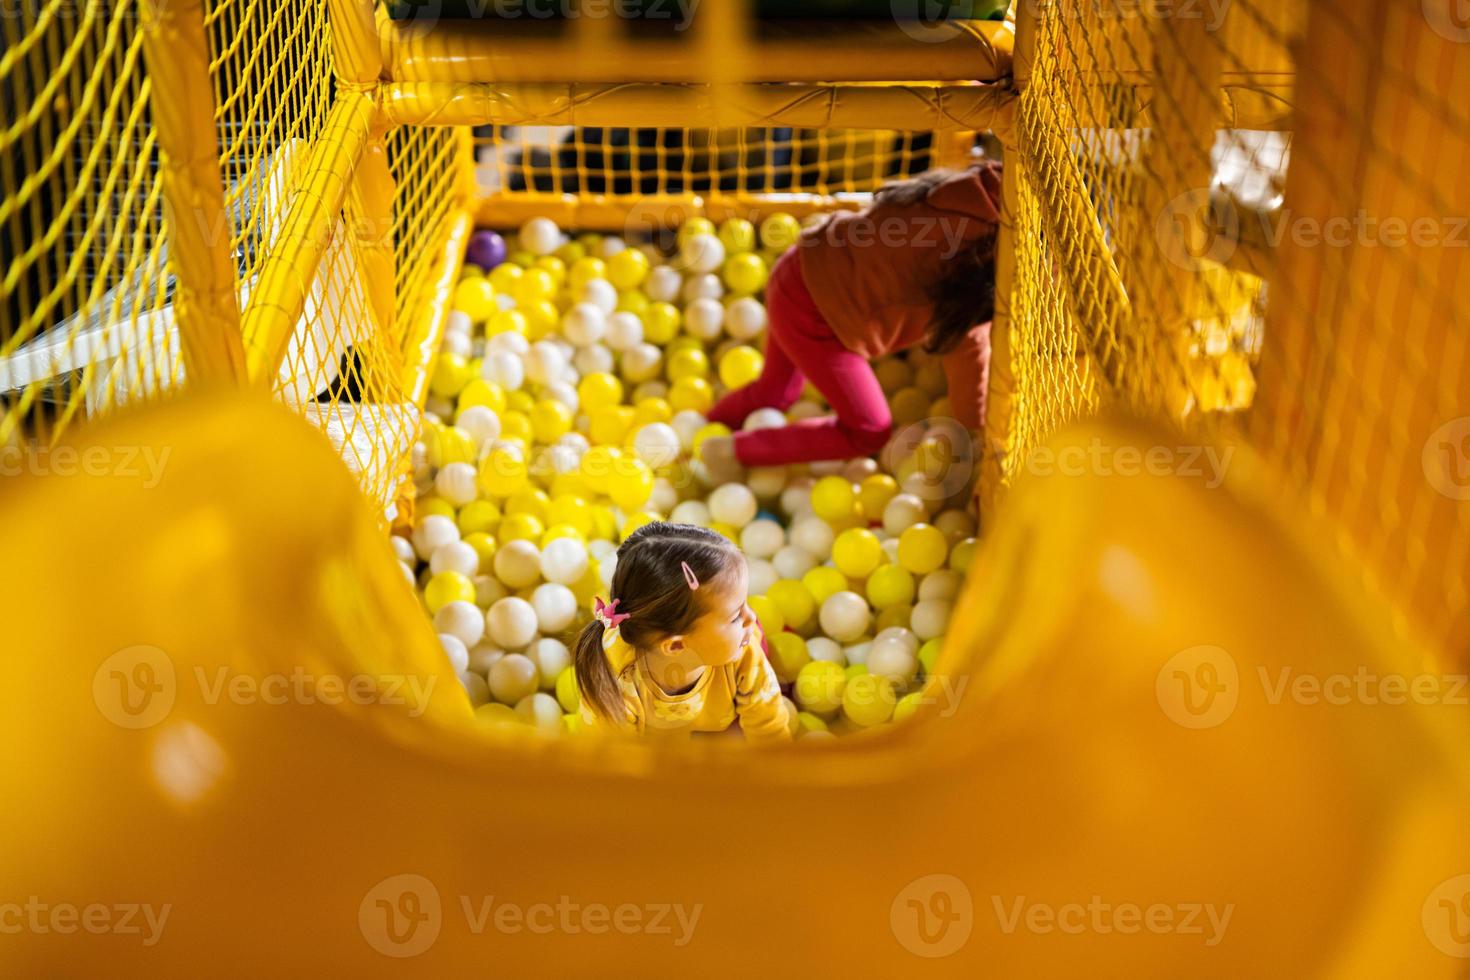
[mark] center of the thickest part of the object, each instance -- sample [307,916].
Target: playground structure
[201,199]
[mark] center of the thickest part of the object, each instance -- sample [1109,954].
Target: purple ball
[486,250]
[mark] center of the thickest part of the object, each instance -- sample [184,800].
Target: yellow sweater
[746,689]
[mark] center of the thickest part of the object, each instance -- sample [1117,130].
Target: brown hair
[650,588]
[964,295]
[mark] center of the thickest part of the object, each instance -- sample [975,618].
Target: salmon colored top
[869,273]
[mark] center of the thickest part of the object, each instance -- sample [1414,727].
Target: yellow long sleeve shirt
[746,689]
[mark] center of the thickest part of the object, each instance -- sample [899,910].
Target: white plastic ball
[624,331]
[511,622]
[762,538]
[857,470]
[483,657]
[457,483]
[733,503]
[564,560]
[921,487]
[503,368]
[480,422]
[458,343]
[600,293]
[707,286]
[764,418]
[476,687]
[610,245]
[657,444]
[821,648]
[955,523]
[403,549]
[461,620]
[594,359]
[702,253]
[941,584]
[664,497]
[455,556]
[662,285]
[761,576]
[564,393]
[890,548]
[584,323]
[766,481]
[902,512]
[844,616]
[576,441]
[930,618]
[458,322]
[606,567]
[826,467]
[649,389]
[745,318]
[814,536]
[540,236]
[793,562]
[704,318]
[551,657]
[691,512]
[601,549]
[544,362]
[687,423]
[512,678]
[797,497]
[518,564]
[408,575]
[858,652]
[510,342]
[488,591]
[902,635]
[432,533]
[641,362]
[555,606]
[455,650]
[541,711]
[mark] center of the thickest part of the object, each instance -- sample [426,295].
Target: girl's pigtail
[594,674]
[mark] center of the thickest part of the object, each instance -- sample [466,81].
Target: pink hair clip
[607,613]
[689,575]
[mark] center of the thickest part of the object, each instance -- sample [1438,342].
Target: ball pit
[567,408]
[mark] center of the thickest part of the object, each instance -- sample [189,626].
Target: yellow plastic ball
[554,267]
[691,393]
[633,301]
[450,444]
[819,686]
[909,405]
[519,401]
[694,226]
[868,700]
[650,410]
[515,425]
[604,522]
[889,585]
[766,610]
[780,231]
[451,374]
[502,473]
[740,366]
[874,493]
[522,258]
[506,321]
[567,693]
[529,501]
[447,587]
[922,548]
[426,506]
[856,552]
[505,275]
[907,705]
[571,510]
[823,582]
[683,342]
[706,431]
[744,273]
[599,390]
[570,252]
[521,527]
[661,323]
[833,498]
[929,654]
[584,270]
[794,600]
[475,298]
[484,545]
[481,392]
[788,655]
[961,556]
[610,426]
[688,362]
[562,531]
[636,520]
[806,722]
[631,484]
[627,269]
[729,532]
[541,318]
[478,515]
[737,235]
[550,420]
[597,465]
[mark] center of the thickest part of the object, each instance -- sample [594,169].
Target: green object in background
[927,11]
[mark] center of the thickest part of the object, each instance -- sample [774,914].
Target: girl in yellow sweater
[677,649]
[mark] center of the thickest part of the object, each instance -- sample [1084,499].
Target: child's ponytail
[594,674]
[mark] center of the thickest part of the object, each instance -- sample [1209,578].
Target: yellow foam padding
[336,839]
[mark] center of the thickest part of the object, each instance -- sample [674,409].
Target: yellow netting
[86,300]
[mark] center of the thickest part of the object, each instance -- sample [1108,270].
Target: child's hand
[718,453]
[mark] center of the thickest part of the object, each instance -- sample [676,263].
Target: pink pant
[800,346]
